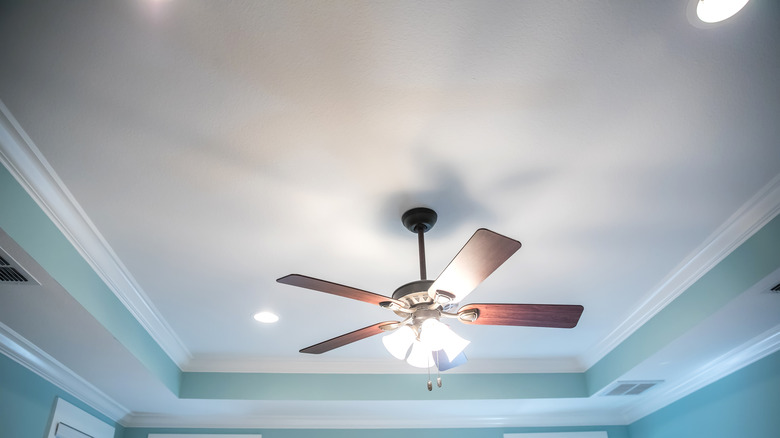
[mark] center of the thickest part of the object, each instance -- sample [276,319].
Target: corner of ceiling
[25,162]
[38,361]
[751,351]
[751,217]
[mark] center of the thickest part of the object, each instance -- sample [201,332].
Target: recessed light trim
[266,317]
[715,11]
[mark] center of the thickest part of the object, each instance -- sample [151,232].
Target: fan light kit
[421,338]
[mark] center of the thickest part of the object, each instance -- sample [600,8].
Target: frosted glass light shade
[420,356]
[398,342]
[713,11]
[437,336]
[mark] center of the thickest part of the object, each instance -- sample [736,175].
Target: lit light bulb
[438,336]
[713,11]
[420,356]
[398,342]
[266,317]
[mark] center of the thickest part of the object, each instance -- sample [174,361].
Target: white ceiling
[219,146]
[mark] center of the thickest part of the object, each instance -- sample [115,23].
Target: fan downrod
[419,220]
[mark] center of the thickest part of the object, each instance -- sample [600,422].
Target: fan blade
[340,341]
[333,288]
[528,315]
[478,258]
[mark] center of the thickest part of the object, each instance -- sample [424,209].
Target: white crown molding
[22,158]
[378,366]
[594,434]
[36,360]
[388,421]
[751,217]
[757,348]
[200,435]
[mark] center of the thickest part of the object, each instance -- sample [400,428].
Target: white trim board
[41,363]
[187,435]
[79,420]
[596,434]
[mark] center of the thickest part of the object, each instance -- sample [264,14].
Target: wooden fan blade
[333,288]
[528,315]
[481,255]
[340,341]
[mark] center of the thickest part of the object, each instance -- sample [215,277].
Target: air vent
[776,288]
[11,272]
[634,387]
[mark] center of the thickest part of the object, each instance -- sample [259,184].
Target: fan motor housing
[413,294]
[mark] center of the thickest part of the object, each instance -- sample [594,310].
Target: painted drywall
[742,404]
[756,258]
[612,432]
[258,386]
[28,225]
[27,400]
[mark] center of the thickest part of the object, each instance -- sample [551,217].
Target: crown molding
[400,421]
[38,361]
[22,158]
[376,366]
[757,348]
[751,217]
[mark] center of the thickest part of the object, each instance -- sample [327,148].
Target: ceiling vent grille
[634,387]
[11,272]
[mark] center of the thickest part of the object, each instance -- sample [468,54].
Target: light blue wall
[259,386]
[27,401]
[756,258]
[612,431]
[743,404]
[29,226]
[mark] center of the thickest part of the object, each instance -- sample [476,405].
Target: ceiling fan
[420,337]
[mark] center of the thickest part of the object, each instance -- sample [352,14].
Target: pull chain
[430,384]
[438,371]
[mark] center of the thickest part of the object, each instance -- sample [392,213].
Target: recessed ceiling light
[266,317]
[714,11]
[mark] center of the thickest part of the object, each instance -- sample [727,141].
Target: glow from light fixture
[265,317]
[436,335]
[399,341]
[713,11]
[420,356]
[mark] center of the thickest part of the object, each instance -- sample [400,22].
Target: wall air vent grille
[630,387]
[11,272]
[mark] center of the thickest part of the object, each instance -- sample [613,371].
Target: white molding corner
[751,217]
[22,158]
[38,361]
[755,349]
